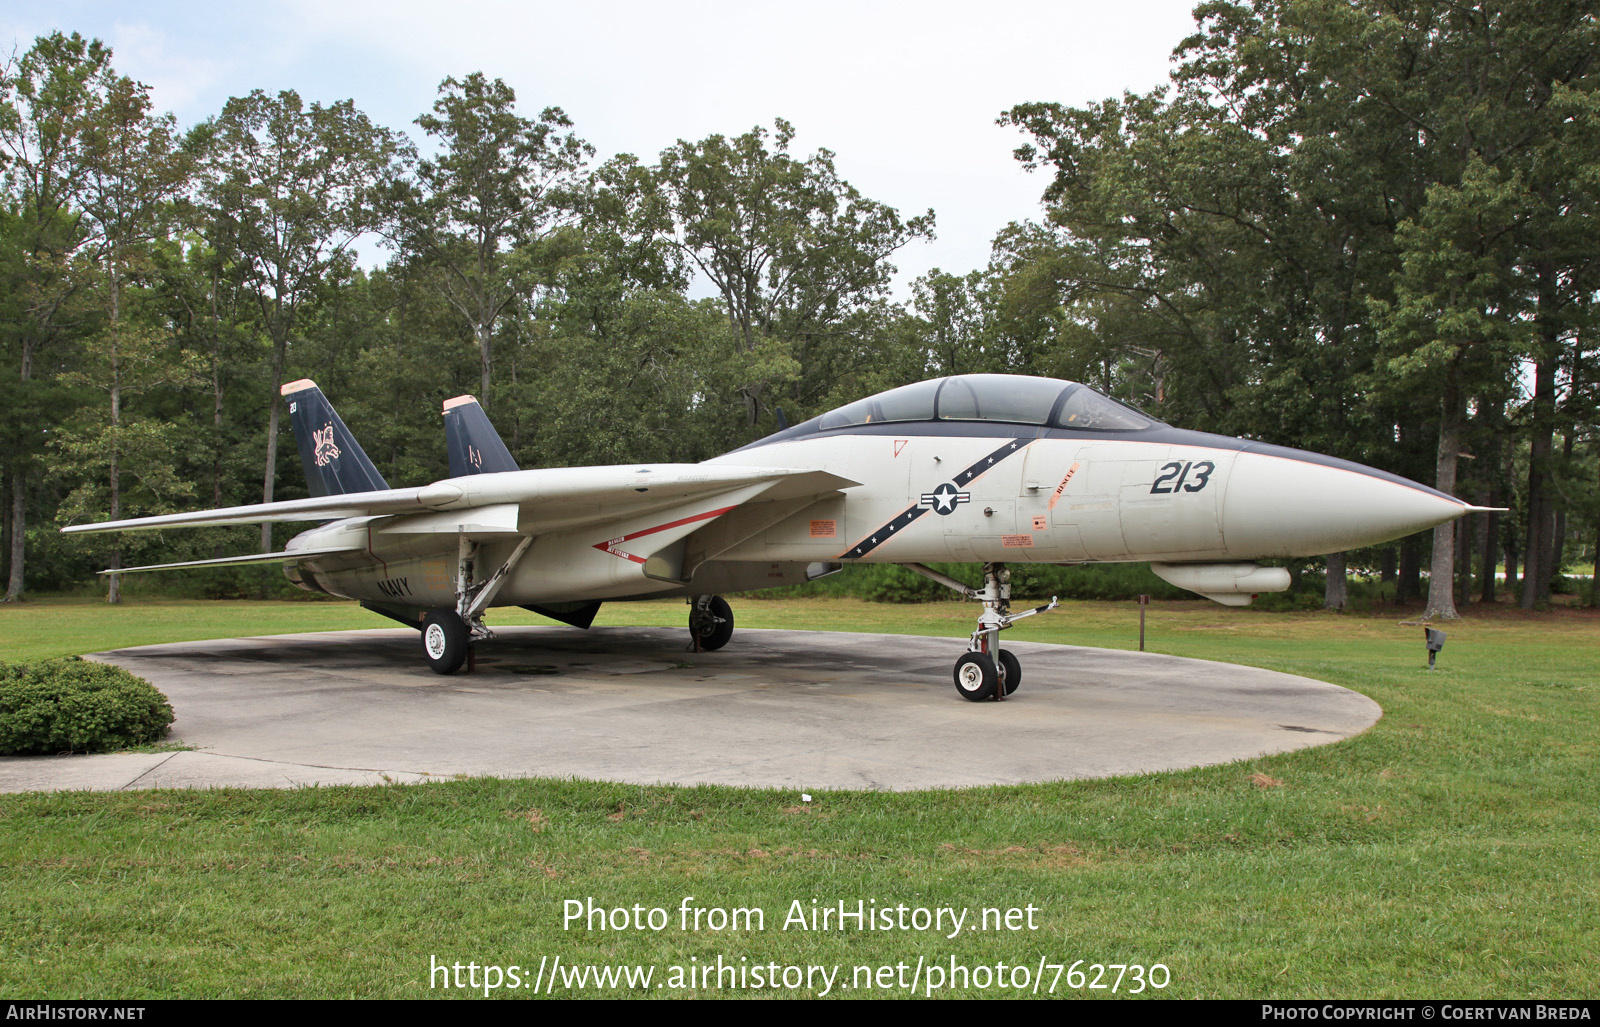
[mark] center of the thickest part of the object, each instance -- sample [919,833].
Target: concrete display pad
[784,709]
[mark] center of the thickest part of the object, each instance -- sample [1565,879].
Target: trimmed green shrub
[77,706]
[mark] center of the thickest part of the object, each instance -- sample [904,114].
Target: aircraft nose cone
[1281,504]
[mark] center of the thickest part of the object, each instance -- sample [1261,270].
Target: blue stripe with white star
[910,514]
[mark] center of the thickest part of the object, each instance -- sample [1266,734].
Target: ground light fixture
[1435,639]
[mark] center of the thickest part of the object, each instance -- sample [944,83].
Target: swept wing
[544,498]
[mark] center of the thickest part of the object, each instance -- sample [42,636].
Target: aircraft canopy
[1016,399]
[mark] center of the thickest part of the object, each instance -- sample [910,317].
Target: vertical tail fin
[474,445]
[333,460]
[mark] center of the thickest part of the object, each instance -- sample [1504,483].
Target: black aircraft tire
[444,640]
[717,633]
[1010,670]
[976,677]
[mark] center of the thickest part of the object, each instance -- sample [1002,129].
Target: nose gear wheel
[978,675]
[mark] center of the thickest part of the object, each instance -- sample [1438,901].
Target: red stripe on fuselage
[610,544]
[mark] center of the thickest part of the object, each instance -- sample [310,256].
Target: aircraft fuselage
[975,494]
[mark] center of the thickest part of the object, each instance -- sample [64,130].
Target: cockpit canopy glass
[1085,408]
[1017,399]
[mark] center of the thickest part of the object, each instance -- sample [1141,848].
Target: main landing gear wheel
[976,677]
[1010,671]
[710,623]
[448,631]
[444,640]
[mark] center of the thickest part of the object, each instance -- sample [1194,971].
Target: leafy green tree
[44,99]
[387,347]
[123,462]
[1457,325]
[653,382]
[952,318]
[213,313]
[132,170]
[289,189]
[798,256]
[1510,89]
[1557,246]
[481,212]
[1166,217]
[1255,218]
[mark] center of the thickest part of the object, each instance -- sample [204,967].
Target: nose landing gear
[985,671]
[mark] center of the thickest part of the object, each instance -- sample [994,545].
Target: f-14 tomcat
[980,468]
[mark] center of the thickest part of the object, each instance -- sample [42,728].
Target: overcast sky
[905,93]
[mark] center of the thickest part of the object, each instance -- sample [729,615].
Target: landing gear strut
[710,623]
[448,634]
[986,671]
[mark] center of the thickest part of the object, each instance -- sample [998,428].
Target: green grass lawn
[1450,851]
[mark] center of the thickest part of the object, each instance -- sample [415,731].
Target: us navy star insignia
[944,499]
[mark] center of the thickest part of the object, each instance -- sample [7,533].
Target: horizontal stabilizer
[292,556]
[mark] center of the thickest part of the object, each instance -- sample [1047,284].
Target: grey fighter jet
[987,469]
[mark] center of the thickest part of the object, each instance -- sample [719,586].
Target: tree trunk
[482,332]
[1541,509]
[1558,546]
[19,509]
[1594,578]
[1486,543]
[268,479]
[216,428]
[1442,568]
[114,581]
[515,445]
[1336,592]
[1594,582]
[19,493]
[1558,540]
[216,398]
[1548,552]
[1408,584]
[1466,536]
